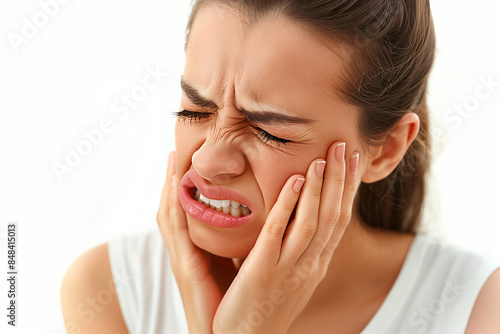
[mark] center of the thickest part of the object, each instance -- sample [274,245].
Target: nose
[218,162]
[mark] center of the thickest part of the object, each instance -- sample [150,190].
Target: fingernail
[353,164]
[340,152]
[298,184]
[320,168]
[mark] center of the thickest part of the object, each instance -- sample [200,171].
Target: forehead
[273,62]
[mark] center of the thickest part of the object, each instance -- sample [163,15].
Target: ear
[384,159]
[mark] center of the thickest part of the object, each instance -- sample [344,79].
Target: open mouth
[226,206]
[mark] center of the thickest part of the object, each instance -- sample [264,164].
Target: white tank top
[434,292]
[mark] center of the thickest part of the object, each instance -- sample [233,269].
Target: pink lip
[204,213]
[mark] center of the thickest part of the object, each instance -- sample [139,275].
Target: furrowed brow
[273,118]
[259,117]
[195,97]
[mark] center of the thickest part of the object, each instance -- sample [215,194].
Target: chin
[230,243]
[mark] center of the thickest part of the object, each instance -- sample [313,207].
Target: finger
[346,211]
[177,230]
[163,210]
[269,242]
[301,231]
[331,197]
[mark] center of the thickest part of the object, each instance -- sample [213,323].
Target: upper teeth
[227,206]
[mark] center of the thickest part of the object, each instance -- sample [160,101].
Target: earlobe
[386,158]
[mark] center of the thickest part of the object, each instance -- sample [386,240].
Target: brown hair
[390,49]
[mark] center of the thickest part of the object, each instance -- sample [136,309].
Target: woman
[293,200]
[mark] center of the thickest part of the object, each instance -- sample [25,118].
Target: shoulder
[484,317]
[475,280]
[88,295]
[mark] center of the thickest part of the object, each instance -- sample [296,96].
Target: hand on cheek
[199,274]
[286,264]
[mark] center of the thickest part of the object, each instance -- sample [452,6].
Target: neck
[365,263]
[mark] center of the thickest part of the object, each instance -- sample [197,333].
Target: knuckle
[351,188]
[309,228]
[323,240]
[315,193]
[276,229]
[330,225]
[333,216]
[338,177]
[289,206]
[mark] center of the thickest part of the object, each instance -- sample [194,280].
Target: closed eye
[266,137]
[263,135]
[192,115]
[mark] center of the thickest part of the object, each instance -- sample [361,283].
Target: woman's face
[275,77]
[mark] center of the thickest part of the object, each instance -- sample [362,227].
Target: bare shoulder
[88,296]
[484,317]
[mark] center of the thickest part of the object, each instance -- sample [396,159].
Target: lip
[204,213]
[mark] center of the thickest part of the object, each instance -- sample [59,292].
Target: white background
[66,78]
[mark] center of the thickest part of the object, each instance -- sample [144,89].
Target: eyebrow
[264,117]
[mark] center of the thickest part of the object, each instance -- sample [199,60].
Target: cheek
[273,170]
